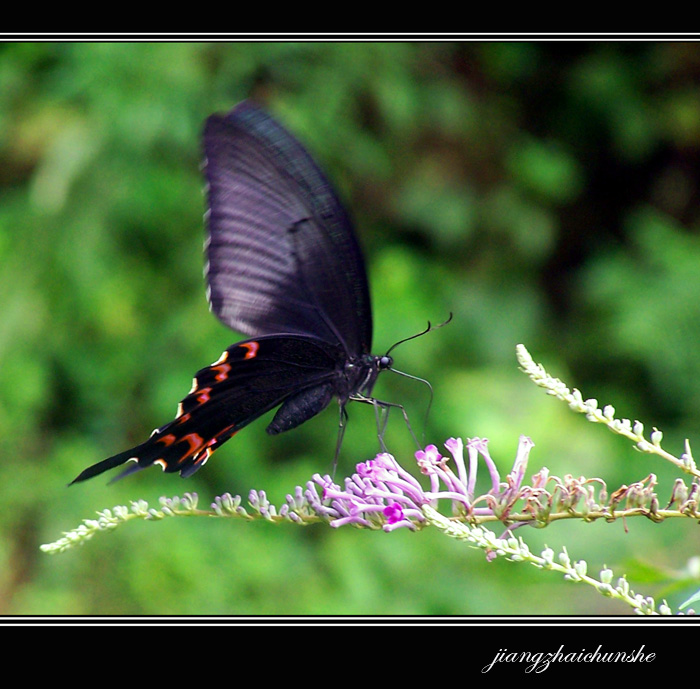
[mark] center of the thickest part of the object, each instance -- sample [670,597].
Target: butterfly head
[384,362]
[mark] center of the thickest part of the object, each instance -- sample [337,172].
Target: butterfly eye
[385,362]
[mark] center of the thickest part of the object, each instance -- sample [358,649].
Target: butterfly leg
[341,432]
[383,418]
[381,413]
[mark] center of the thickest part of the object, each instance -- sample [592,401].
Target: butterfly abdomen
[300,407]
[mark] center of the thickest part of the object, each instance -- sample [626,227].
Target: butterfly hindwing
[248,380]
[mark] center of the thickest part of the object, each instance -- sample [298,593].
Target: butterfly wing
[282,256]
[284,267]
[248,380]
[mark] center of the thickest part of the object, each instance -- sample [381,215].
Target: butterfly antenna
[420,380]
[430,328]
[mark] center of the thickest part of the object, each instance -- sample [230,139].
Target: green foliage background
[546,193]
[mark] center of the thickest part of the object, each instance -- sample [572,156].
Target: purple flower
[393,513]
[456,448]
[382,494]
[379,488]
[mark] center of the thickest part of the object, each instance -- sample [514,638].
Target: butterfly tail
[110,463]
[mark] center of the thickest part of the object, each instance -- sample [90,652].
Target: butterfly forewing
[282,255]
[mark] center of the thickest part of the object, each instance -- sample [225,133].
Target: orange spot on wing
[203,395]
[195,441]
[223,370]
[252,348]
[209,448]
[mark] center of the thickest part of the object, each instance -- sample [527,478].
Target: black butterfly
[284,267]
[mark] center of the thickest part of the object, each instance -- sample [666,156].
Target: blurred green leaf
[543,192]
